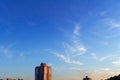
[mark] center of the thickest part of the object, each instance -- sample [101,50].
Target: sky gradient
[75,37]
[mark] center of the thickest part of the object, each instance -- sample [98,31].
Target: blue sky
[75,37]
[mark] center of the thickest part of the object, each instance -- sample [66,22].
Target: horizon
[77,38]
[50,67]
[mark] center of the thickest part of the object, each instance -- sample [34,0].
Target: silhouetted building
[114,78]
[43,72]
[20,79]
[87,78]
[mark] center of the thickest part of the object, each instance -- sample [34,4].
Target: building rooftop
[43,64]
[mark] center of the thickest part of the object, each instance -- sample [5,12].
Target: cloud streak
[116,62]
[114,24]
[94,56]
[6,51]
[72,48]
[76,30]
[67,59]
[75,47]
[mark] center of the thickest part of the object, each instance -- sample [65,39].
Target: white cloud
[76,46]
[74,50]
[94,56]
[112,24]
[73,46]
[106,57]
[76,30]
[116,62]
[67,59]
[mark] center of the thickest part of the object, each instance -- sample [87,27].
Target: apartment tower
[43,72]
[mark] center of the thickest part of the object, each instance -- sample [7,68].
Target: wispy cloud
[76,30]
[115,58]
[6,51]
[106,57]
[71,48]
[112,23]
[75,47]
[111,29]
[116,62]
[94,56]
[96,14]
[67,59]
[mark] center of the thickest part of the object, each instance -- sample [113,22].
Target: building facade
[43,72]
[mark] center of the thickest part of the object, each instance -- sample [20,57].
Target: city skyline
[75,37]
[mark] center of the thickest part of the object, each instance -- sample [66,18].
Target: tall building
[43,72]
